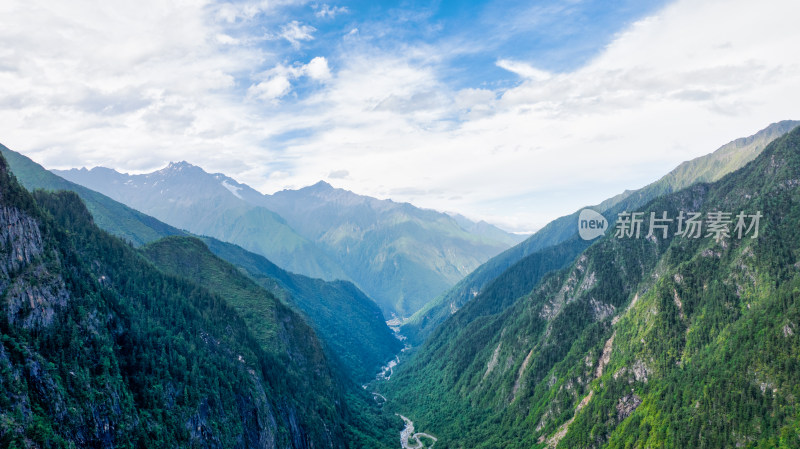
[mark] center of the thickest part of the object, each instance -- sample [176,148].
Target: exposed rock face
[493,361]
[601,310]
[627,404]
[570,290]
[518,382]
[33,294]
[20,239]
[605,357]
[638,372]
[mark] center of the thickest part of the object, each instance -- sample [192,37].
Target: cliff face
[33,292]
[100,349]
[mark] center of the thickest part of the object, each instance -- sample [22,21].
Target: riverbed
[408,438]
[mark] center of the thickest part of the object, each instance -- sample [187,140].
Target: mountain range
[102,349]
[120,330]
[318,300]
[398,254]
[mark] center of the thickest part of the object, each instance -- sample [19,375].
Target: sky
[514,112]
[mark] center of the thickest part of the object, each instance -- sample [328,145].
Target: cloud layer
[245,89]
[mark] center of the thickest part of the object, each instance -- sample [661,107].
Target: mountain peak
[181,168]
[179,165]
[321,185]
[98,169]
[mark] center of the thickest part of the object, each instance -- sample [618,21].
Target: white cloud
[239,11]
[523,70]
[294,32]
[338,174]
[329,12]
[271,89]
[318,69]
[672,87]
[226,39]
[132,86]
[277,84]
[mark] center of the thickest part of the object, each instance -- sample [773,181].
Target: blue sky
[471,36]
[515,112]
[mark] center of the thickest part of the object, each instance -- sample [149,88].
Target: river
[411,440]
[408,438]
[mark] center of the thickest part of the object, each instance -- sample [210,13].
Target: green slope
[109,215]
[348,322]
[671,343]
[706,168]
[100,349]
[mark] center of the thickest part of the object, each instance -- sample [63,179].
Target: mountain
[487,230]
[398,254]
[188,198]
[710,167]
[661,341]
[110,215]
[339,312]
[101,349]
[347,321]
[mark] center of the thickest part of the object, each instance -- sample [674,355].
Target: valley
[625,338]
[571,343]
[408,438]
[341,224]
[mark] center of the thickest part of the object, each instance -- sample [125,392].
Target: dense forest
[102,349]
[640,342]
[556,244]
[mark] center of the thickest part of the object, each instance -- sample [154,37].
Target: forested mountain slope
[339,312]
[187,197]
[706,168]
[108,214]
[348,322]
[398,254]
[641,342]
[101,349]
